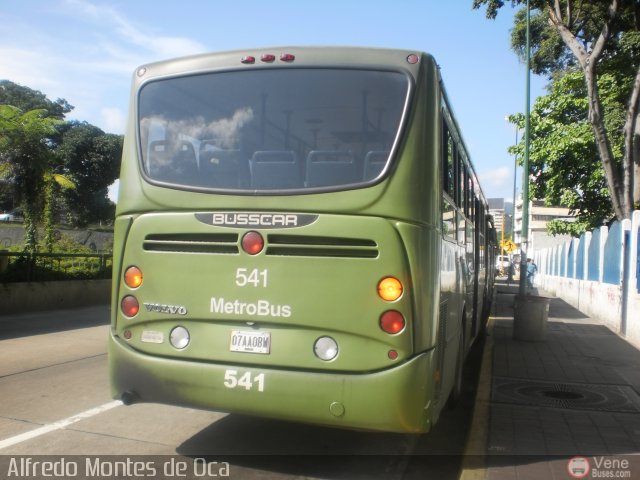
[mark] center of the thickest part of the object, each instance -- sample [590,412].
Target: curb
[474,461]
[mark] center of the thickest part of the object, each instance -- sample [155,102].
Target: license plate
[250,342]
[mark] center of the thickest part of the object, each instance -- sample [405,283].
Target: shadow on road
[38,323]
[254,445]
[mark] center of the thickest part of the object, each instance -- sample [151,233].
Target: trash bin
[530,316]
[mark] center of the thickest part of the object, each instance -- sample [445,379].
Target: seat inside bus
[275,169]
[330,167]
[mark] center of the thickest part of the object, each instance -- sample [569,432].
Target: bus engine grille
[315,246]
[217,243]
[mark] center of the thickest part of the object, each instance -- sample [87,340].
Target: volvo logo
[170,309]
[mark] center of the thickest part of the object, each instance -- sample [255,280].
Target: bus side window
[447,161]
[274,169]
[329,167]
[449,221]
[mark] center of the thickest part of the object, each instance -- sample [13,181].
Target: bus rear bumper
[394,400]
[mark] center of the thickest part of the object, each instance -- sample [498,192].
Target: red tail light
[252,243]
[392,322]
[130,306]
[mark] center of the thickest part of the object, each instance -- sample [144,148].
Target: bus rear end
[254,275]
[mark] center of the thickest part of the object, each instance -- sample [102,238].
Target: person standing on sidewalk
[532,268]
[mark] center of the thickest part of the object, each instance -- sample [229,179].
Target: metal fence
[41,267]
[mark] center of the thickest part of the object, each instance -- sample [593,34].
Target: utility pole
[525,169]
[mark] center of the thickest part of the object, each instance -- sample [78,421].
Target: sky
[86,51]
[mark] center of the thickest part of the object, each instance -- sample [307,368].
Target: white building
[539,216]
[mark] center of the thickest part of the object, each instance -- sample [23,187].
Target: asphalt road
[55,401]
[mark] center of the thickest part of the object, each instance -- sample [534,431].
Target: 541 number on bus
[235,379]
[253,277]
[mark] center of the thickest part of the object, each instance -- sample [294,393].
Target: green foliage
[563,160]
[92,160]
[579,43]
[37,167]
[25,158]
[27,99]
[84,265]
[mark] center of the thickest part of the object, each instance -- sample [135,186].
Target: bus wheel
[456,390]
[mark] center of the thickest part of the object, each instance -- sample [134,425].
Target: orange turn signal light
[133,277]
[390,289]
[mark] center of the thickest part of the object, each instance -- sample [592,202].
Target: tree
[27,99]
[25,160]
[596,37]
[91,158]
[563,161]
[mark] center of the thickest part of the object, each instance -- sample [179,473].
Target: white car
[502,263]
[7,217]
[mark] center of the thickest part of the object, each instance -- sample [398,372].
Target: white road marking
[60,424]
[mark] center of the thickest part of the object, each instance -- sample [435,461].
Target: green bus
[299,235]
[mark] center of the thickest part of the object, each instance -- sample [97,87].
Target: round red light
[393,355]
[252,243]
[413,59]
[392,322]
[130,306]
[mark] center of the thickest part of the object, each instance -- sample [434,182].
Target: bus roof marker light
[268,58]
[287,57]
[390,289]
[413,59]
[252,243]
[248,60]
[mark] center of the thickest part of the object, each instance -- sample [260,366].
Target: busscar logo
[256,219]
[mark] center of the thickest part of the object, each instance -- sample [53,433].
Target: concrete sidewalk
[543,403]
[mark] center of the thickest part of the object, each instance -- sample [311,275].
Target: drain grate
[574,396]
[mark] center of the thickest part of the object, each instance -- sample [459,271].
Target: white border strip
[23,437]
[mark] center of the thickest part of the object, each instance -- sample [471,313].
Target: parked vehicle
[502,264]
[7,217]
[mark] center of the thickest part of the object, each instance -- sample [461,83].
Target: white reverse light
[179,337]
[325,348]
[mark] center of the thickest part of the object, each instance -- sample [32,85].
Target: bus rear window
[272,129]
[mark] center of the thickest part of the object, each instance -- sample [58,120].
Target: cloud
[497,180]
[132,35]
[85,53]
[114,119]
